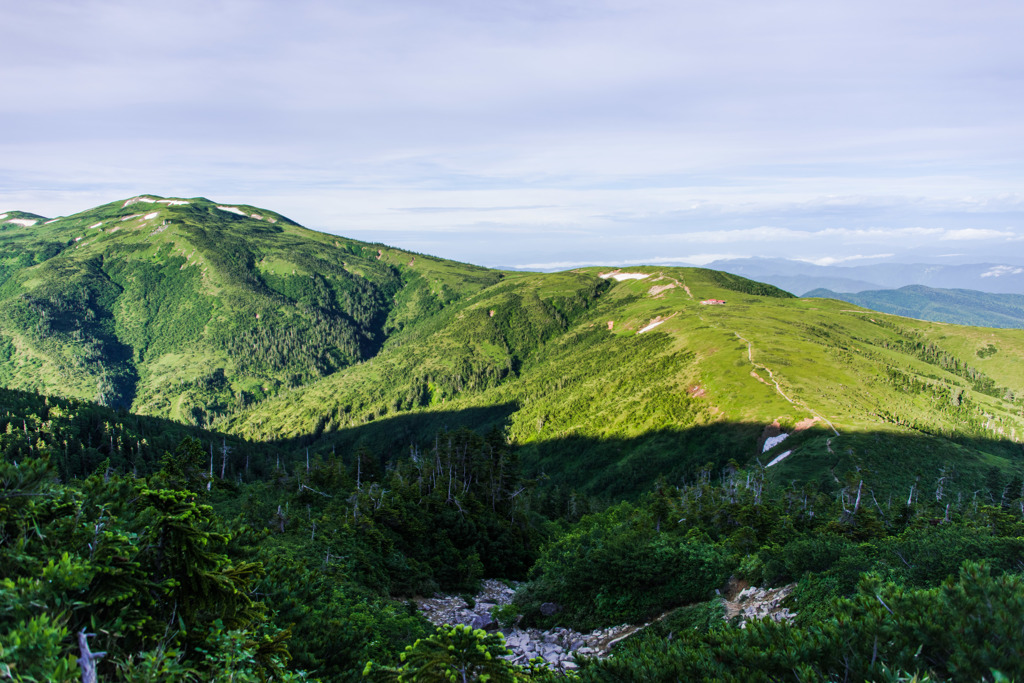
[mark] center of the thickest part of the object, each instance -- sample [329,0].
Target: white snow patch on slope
[52,220]
[96,226]
[172,202]
[4,216]
[136,200]
[128,218]
[773,441]
[650,326]
[23,221]
[620,276]
[778,459]
[233,209]
[152,215]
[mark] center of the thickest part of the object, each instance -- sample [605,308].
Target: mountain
[636,437]
[607,385]
[800,277]
[958,306]
[191,309]
[236,317]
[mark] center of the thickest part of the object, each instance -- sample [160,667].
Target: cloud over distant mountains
[516,132]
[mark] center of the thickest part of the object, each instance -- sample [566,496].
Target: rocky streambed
[558,647]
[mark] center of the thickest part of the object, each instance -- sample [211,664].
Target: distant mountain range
[800,277]
[959,306]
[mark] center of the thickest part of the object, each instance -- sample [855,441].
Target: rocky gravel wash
[558,647]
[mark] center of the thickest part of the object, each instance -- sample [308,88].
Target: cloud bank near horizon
[537,132]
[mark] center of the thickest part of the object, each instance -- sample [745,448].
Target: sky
[538,134]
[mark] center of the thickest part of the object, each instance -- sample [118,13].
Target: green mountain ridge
[235,317]
[957,306]
[188,309]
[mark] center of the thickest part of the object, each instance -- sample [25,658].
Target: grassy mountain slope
[189,309]
[603,401]
[958,306]
[237,316]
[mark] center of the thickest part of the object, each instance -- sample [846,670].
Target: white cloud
[998,271]
[975,234]
[501,130]
[833,260]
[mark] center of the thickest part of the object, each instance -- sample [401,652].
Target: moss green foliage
[619,567]
[140,565]
[965,629]
[459,653]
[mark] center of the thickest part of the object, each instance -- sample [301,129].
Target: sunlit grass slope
[191,309]
[613,382]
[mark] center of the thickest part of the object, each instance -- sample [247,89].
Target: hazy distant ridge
[959,306]
[801,277]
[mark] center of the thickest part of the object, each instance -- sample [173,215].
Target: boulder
[549,608]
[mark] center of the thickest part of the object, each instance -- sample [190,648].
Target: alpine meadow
[236,449]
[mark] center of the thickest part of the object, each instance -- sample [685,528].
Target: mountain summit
[189,308]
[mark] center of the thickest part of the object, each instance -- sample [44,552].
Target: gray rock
[549,608]
[484,621]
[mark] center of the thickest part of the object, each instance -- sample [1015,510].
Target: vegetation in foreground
[304,573]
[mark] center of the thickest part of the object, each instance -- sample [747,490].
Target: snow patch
[96,226]
[150,216]
[233,209]
[778,458]
[26,222]
[52,220]
[78,239]
[651,325]
[172,202]
[773,441]
[619,276]
[4,216]
[128,218]
[136,200]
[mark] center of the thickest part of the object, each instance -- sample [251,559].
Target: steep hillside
[609,382]
[190,309]
[958,306]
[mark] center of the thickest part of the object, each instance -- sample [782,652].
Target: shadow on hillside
[623,467]
[612,468]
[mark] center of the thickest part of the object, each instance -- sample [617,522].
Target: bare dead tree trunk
[88,659]
[224,457]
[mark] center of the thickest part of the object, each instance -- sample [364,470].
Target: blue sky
[539,134]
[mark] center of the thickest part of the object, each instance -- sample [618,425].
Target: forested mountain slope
[237,317]
[190,309]
[637,437]
[610,383]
